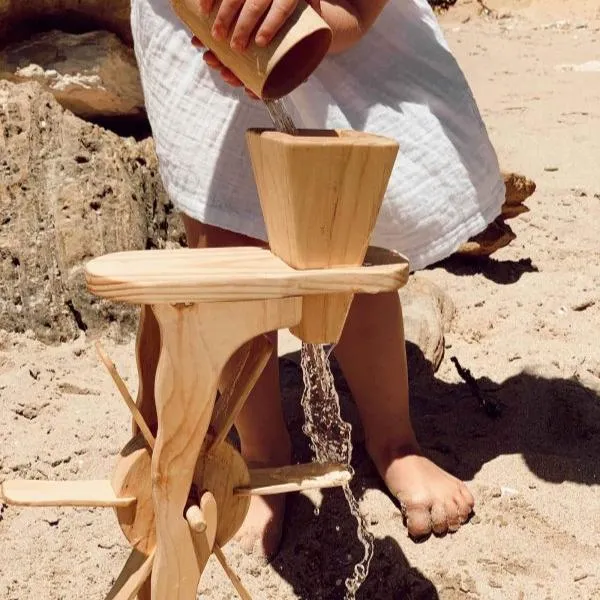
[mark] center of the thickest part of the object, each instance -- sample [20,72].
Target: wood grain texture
[227,275]
[295,478]
[204,540]
[62,493]
[131,405]
[220,470]
[132,477]
[237,380]
[197,341]
[320,193]
[133,577]
[276,70]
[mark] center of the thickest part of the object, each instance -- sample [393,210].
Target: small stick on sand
[491,408]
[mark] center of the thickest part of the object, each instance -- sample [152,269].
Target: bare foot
[263,527]
[431,500]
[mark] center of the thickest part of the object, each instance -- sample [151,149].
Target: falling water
[280,116]
[330,436]
[331,441]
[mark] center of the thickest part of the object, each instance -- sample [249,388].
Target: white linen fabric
[400,81]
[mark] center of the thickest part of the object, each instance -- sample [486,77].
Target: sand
[527,327]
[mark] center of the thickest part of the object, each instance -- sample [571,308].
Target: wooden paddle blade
[237,380]
[233,577]
[136,571]
[129,401]
[295,478]
[62,493]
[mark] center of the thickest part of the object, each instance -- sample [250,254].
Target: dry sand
[528,325]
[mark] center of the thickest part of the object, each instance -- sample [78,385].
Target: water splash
[331,441]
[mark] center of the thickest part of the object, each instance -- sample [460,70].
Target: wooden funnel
[274,71]
[320,193]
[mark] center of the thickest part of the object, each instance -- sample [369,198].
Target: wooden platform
[229,274]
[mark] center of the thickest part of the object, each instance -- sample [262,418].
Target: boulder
[69,191]
[93,74]
[428,313]
[19,18]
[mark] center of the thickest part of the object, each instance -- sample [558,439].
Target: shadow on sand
[554,423]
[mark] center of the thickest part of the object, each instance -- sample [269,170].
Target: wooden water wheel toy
[180,490]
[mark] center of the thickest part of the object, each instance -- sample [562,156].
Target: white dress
[400,81]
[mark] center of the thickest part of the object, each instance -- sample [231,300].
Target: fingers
[278,14]
[242,17]
[214,63]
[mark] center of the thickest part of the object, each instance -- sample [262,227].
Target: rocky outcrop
[69,191]
[93,74]
[18,19]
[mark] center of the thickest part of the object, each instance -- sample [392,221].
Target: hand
[214,63]
[242,17]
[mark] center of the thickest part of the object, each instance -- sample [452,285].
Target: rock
[428,312]
[498,234]
[19,19]
[518,188]
[92,74]
[69,191]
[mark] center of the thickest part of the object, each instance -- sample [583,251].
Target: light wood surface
[320,193]
[132,578]
[63,493]
[270,72]
[295,478]
[132,477]
[237,380]
[227,275]
[221,470]
[197,341]
[129,401]
[204,540]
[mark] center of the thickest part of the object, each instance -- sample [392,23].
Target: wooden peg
[295,478]
[195,517]
[62,493]
[202,520]
[131,405]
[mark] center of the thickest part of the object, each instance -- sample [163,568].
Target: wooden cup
[276,70]
[320,193]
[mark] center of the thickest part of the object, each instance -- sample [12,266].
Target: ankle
[268,453]
[384,450]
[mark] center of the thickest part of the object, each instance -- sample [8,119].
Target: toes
[418,521]
[465,502]
[453,515]
[467,496]
[439,519]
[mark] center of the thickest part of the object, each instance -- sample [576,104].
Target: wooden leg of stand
[147,353]
[197,341]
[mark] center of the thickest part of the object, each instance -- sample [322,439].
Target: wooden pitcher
[276,70]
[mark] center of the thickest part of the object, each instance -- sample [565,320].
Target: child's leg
[264,438]
[372,355]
